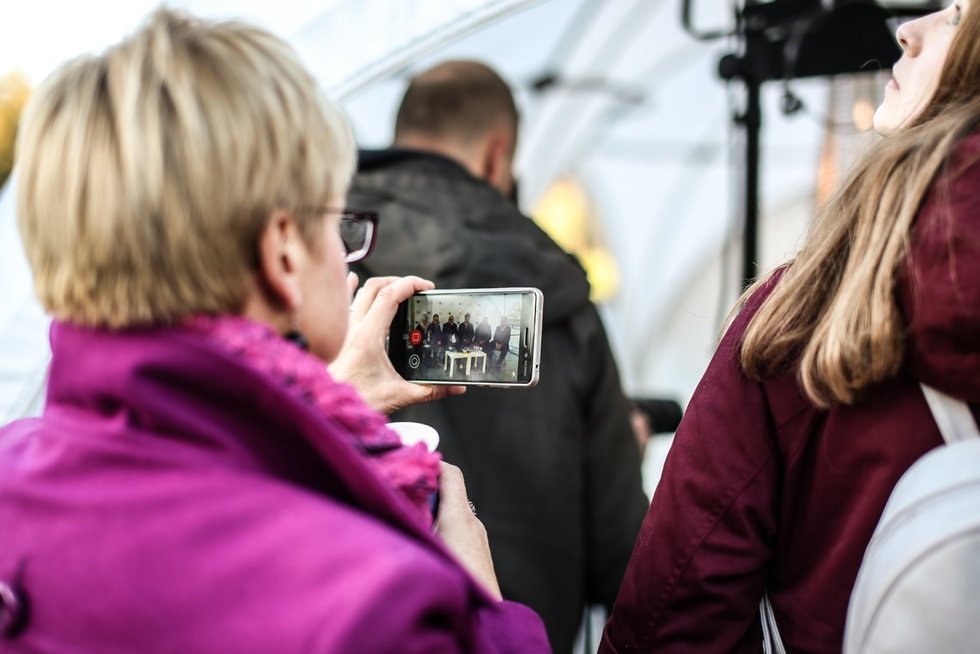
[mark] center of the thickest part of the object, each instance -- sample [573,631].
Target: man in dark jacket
[483,334]
[449,330]
[554,470]
[501,341]
[466,332]
[435,337]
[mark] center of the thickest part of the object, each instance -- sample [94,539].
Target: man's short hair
[147,173]
[458,100]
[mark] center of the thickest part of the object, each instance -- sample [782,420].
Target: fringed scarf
[414,471]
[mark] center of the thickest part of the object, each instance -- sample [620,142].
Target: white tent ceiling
[661,167]
[660,171]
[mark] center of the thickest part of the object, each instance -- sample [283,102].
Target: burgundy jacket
[763,492]
[174,499]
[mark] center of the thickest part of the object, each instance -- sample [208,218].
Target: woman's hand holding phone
[462,532]
[363,361]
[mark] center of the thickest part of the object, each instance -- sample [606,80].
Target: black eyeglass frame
[360,216]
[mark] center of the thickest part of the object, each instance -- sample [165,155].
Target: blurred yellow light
[14,91]
[602,271]
[566,214]
[863,114]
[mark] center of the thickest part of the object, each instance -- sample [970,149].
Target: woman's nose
[908,35]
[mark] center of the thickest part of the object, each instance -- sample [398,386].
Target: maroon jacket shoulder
[939,285]
[763,493]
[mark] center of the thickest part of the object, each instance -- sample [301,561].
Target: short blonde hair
[146,174]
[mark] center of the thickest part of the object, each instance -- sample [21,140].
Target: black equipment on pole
[782,40]
[663,414]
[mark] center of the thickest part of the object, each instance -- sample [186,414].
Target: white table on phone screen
[469,356]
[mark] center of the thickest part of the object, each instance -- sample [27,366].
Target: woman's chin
[881,122]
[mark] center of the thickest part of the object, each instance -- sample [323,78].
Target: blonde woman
[197,482]
[811,409]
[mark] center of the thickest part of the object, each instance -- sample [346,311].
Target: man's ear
[497,152]
[282,255]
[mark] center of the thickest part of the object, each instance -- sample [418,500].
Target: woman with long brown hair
[811,409]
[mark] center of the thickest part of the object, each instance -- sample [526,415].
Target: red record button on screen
[415,337]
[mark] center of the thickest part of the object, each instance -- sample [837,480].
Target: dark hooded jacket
[553,470]
[765,493]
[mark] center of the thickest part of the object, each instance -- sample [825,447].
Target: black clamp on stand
[783,40]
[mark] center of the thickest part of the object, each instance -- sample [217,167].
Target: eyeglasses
[358,230]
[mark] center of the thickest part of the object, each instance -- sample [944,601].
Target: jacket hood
[438,221]
[939,285]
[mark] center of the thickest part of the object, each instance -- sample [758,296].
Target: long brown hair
[834,311]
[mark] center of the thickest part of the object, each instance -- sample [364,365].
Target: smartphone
[471,336]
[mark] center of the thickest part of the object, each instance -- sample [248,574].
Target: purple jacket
[763,492]
[174,499]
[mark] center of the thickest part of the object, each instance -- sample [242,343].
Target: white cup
[411,433]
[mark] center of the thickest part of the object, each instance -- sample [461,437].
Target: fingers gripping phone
[480,337]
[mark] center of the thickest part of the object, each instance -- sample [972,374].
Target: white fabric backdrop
[662,173]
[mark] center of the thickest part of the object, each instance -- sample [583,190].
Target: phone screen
[485,337]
